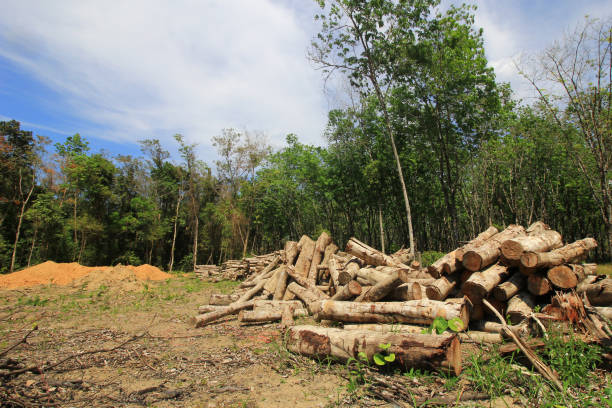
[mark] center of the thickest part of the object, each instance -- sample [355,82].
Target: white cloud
[145,68]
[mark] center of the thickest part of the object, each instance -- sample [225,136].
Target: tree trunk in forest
[195,242]
[566,254]
[427,351]
[480,284]
[382,231]
[475,243]
[486,254]
[509,288]
[23,205]
[513,249]
[413,311]
[32,247]
[76,238]
[178,206]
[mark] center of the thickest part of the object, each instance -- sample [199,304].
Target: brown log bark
[538,284]
[317,256]
[600,293]
[581,287]
[426,351]
[222,300]
[566,254]
[475,243]
[281,284]
[437,268]
[486,254]
[413,311]
[307,295]
[202,320]
[373,276]
[330,250]
[252,292]
[270,285]
[370,255]
[536,228]
[303,281]
[307,248]
[605,312]
[402,256]
[334,271]
[480,284]
[568,276]
[408,291]
[350,270]
[520,306]
[511,287]
[348,291]
[472,335]
[211,308]
[441,288]
[276,304]
[291,252]
[380,289]
[513,249]
[267,315]
[287,316]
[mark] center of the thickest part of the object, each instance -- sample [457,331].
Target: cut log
[413,311]
[373,276]
[348,291]
[350,271]
[566,254]
[317,256]
[605,312]
[513,249]
[568,276]
[307,295]
[270,285]
[472,335]
[486,254]
[600,293]
[475,243]
[520,306]
[437,268]
[581,287]
[221,299]
[291,252]
[287,316]
[408,291]
[276,304]
[480,284]
[281,284]
[402,256]
[381,289]
[267,315]
[511,287]
[536,228]
[307,248]
[538,284]
[432,352]
[305,283]
[441,288]
[330,250]
[370,255]
[334,271]
[202,320]
[252,292]
[211,308]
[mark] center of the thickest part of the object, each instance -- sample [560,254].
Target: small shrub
[429,257]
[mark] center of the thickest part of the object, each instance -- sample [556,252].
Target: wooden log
[486,254]
[373,276]
[334,271]
[427,351]
[536,228]
[222,300]
[330,250]
[267,315]
[513,249]
[538,284]
[520,306]
[307,295]
[281,284]
[600,293]
[276,304]
[511,287]
[436,269]
[409,274]
[317,256]
[287,316]
[380,289]
[402,256]
[480,284]
[370,255]
[306,283]
[566,254]
[472,335]
[291,252]
[568,276]
[350,271]
[441,288]
[202,320]
[211,308]
[475,243]
[348,291]
[302,265]
[605,312]
[252,292]
[414,311]
[270,285]
[408,291]
[581,287]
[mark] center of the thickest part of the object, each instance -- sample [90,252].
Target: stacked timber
[237,269]
[207,271]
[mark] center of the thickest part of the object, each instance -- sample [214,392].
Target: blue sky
[118,72]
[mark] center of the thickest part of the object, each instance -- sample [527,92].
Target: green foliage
[383,357]
[440,325]
[429,257]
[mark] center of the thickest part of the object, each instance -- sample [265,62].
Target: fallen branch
[24,339]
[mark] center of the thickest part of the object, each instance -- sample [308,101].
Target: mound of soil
[91,277]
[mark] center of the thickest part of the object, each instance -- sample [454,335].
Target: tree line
[429,151]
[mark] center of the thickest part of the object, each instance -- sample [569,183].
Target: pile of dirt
[91,277]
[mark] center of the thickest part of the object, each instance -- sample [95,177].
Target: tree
[573,80]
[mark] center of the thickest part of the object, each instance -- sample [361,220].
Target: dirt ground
[134,348]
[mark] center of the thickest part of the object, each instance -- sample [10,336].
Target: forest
[430,151]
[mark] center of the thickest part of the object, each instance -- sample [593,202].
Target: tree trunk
[32,247]
[370,255]
[486,254]
[436,268]
[178,206]
[350,271]
[382,231]
[307,248]
[303,281]
[23,205]
[566,254]
[281,284]
[234,308]
[512,249]
[322,242]
[568,276]
[441,288]
[348,291]
[520,306]
[334,273]
[276,304]
[223,300]
[380,289]
[291,252]
[408,291]
[472,335]
[307,295]
[509,288]
[427,351]
[600,293]
[480,284]
[537,228]
[538,284]
[195,242]
[414,311]
[267,315]
[372,276]
[329,251]
[475,243]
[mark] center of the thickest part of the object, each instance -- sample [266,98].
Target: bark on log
[536,228]
[370,255]
[511,287]
[281,284]
[581,287]
[568,276]
[201,320]
[276,304]
[472,335]
[408,291]
[600,293]
[441,288]
[267,315]
[480,284]
[486,254]
[520,306]
[305,283]
[348,291]
[381,289]
[437,268]
[413,311]
[252,292]
[373,276]
[538,284]
[330,250]
[291,252]
[211,308]
[334,271]
[307,248]
[432,352]
[221,299]
[566,254]
[513,249]
[402,256]
[475,243]
[317,256]
[287,316]
[270,285]
[350,270]
[605,312]
[307,295]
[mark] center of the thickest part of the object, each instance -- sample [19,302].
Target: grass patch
[605,269]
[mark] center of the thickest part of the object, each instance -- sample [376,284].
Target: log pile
[236,269]
[382,298]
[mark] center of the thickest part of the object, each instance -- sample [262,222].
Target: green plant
[429,257]
[356,370]
[382,359]
[440,325]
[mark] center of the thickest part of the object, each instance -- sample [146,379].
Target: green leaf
[455,324]
[440,324]
[379,359]
[390,358]
[362,356]
[384,346]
